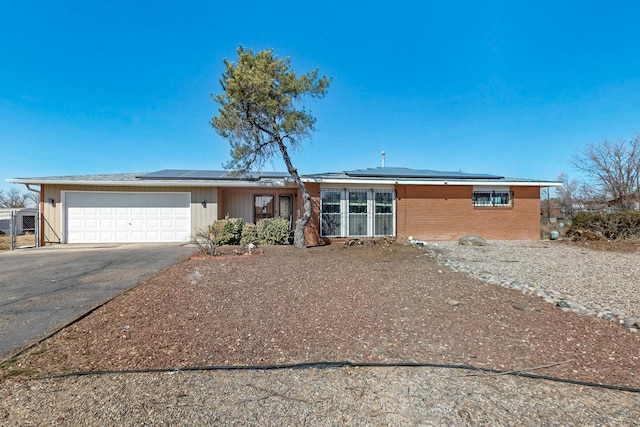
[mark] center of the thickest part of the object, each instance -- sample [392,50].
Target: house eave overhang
[391,181]
[156,183]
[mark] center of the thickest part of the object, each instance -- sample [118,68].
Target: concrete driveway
[43,289]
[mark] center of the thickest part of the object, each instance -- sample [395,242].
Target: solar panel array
[415,173]
[181,174]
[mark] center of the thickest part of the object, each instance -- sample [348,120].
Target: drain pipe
[40,239]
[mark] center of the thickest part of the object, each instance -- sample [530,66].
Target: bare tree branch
[613,170]
[12,199]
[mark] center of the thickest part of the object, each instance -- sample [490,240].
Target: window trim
[490,197]
[270,214]
[344,216]
[384,214]
[339,213]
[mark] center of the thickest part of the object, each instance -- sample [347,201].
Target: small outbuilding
[24,220]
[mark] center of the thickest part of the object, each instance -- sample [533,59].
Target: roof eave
[397,181]
[157,183]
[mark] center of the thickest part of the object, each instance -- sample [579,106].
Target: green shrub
[618,225]
[249,234]
[273,231]
[226,231]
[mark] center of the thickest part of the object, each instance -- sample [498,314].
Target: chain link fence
[19,228]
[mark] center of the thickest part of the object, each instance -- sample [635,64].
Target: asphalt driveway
[43,289]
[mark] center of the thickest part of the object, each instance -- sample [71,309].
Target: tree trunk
[301,223]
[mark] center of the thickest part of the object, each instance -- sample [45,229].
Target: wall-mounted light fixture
[204,203]
[51,201]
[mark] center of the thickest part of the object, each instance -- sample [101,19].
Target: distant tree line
[612,180]
[14,198]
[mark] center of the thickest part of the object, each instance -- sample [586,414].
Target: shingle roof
[168,177]
[96,177]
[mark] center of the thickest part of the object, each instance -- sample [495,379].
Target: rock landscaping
[513,265]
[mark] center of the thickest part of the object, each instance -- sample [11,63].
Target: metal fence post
[12,231]
[36,232]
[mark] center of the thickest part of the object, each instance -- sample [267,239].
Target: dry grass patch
[22,240]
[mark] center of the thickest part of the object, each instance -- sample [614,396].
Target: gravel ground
[330,397]
[374,304]
[608,279]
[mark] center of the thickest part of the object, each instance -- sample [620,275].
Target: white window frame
[342,220]
[393,211]
[370,216]
[366,215]
[494,193]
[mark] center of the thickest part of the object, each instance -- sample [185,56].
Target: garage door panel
[121,222]
[141,236]
[166,236]
[167,223]
[75,223]
[104,211]
[74,236]
[127,217]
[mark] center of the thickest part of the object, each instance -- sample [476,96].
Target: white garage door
[95,217]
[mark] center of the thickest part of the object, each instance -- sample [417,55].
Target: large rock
[472,240]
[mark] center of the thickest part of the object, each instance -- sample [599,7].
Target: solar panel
[165,174]
[415,173]
[211,175]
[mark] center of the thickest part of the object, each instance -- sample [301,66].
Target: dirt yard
[384,303]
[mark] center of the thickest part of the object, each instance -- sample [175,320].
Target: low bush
[273,231]
[234,231]
[226,231]
[249,234]
[619,225]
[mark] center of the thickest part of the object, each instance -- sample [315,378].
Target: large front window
[357,213]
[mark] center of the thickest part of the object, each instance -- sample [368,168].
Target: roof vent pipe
[383,159]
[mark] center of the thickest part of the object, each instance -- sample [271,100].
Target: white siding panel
[120,217]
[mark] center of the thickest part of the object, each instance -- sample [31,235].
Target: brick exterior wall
[312,231]
[446,212]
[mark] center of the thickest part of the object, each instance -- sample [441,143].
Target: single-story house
[173,205]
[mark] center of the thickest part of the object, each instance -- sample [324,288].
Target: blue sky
[500,87]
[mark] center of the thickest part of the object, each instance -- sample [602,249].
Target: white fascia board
[157,183]
[435,182]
